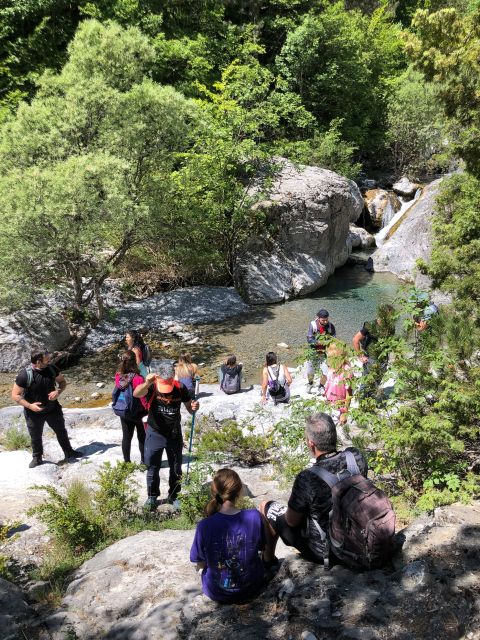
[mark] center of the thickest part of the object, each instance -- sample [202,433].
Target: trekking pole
[192,428]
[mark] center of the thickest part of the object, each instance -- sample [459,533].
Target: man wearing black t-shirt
[311,499]
[164,430]
[35,389]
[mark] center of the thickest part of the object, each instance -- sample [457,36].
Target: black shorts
[291,536]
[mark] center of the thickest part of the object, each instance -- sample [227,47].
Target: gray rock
[15,613]
[405,187]
[310,210]
[308,635]
[415,575]
[24,331]
[410,240]
[100,385]
[37,590]
[359,237]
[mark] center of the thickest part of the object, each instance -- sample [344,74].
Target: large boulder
[308,213]
[24,331]
[16,616]
[410,239]
[405,187]
[382,206]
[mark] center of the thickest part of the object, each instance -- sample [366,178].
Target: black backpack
[275,389]
[146,355]
[361,528]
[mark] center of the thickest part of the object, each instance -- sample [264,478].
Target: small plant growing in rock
[70,518]
[196,492]
[116,497]
[229,443]
[15,438]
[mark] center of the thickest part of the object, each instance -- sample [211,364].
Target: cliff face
[410,240]
[308,213]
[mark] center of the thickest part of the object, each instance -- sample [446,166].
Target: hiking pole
[192,428]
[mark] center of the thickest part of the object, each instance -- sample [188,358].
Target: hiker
[230,375]
[143,354]
[131,413]
[227,543]
[36,390]
[164,396]
[276,380]
[311,497]
[338,391]
[383,327]
[422,319]
[319,332]
[186,372]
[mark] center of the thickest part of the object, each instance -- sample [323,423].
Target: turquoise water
[351,296]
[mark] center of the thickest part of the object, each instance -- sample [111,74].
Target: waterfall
[390,218]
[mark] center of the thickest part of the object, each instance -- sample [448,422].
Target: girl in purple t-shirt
[227,543]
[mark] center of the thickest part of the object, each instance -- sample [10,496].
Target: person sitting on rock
[36,390]
[227,543]
[164,429]
[320,331]
[300,523]
[276,380]
[230,375]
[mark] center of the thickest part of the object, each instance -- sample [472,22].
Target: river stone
[359,237]
[405,187]
[411,240]
[24,331]
[382,206]
[310,210]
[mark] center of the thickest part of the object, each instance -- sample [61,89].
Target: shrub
[229,442]
[15,438]
[196,491]
[117,496]
[70,518]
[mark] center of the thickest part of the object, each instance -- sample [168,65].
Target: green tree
[85,168]
[339,62]
[417,129]
[445,46]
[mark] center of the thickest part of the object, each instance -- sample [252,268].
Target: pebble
[193,340]
[95,395]
[100,385]
[77,399]
[284,345]
[308,635]
[286,588]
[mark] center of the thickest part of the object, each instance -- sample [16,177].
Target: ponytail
[226,485]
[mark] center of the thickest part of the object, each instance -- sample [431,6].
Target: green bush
[15,438]
[196,491]
[70,518]
[228,441]
[116,497]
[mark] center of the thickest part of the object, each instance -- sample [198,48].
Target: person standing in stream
[164,397]
[319,332]
[36,390]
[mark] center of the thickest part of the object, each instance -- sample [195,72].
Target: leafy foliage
[228,441]
[15,438]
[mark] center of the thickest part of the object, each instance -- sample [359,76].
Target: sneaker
[150,504]
[36,462]
[74,453]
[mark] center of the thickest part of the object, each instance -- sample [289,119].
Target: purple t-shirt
[229,544]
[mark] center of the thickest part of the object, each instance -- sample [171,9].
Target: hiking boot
[308,388]
[150,504]
[36,462]
[73,453]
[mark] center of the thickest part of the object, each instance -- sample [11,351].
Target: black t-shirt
[313,497]
[43,382]
[164,415]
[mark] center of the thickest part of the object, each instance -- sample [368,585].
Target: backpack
[361,527]
[275,388]
[146,355]
[231,383]
[124,404]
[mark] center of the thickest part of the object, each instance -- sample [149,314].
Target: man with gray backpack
[334,512]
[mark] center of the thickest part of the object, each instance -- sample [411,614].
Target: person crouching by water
[227,544]
[128,374]
[276,380]
[164,429]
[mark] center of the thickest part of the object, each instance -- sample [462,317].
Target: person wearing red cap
[164,430]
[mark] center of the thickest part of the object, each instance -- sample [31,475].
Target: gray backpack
[361,527]
[231,383]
